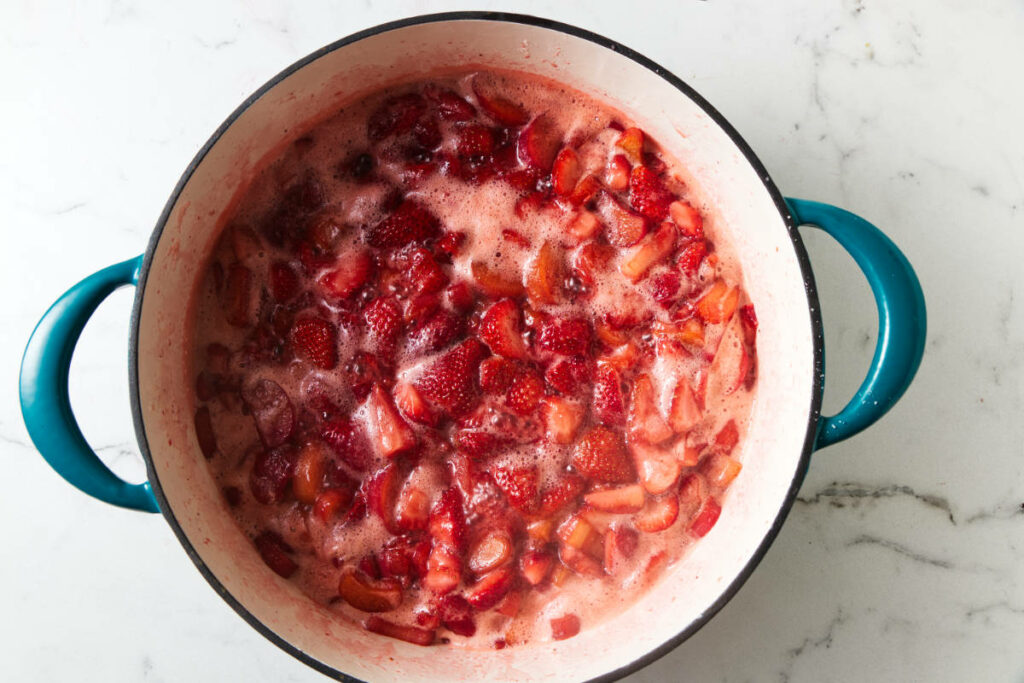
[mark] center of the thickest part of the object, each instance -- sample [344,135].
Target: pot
[785,426]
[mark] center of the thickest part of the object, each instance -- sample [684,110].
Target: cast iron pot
[785,427]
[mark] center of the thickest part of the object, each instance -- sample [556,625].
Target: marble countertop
[904,556]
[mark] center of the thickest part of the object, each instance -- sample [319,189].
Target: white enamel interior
[771,453]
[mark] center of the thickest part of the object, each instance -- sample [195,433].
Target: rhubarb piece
[720,470]
[706,519]
[369,595]
[410,634]
[490,552]
[623,499]
[584,226]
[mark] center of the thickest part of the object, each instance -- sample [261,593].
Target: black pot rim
[773,191]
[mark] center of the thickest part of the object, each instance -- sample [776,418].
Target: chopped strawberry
[720,470]
[437,331]
[494,283]
[692,492]
[659,514]
[489,589]
[538,143]
[645,420]
[448,522]
[616,174]
[628,498]
[456,615]
[562,419]
[479,444]
[237,296]
[395,116]
[582,563]
[664,287]
[690,258]
[590,260]
[316,340]
[309,472]
[519,484]
[410,222]
[525,393]
[718,303]
[284,283]
[601,455]
[450,382]
[731,363]
[367,594]
[749,319]
[727,438]
[684,413]
[562,494]
[272,411]
[649,251]
[544,275]
[631,141]
[566,172]
[451,243]
[659,469]
[648,194]
[609,404]
[500,328]
[498,108]
[584,226]
[450,106]
[271,474]
[347,442]
[568,376]
[423,271]
[444,570]
[330,503]
[383,322]
[620,544]
[490,552]
[497,373]
[351,272]
[381,492]
[412,405]
[412,509]
[623,227]
[565,627]
[410,634]
[706,519]
[535,565]
[473,139]
[204,433]
[275,553]
[392,434]
[565,336]
[585,190]
[686,218]
[460,296]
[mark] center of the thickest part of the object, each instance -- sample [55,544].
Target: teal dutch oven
[786,426]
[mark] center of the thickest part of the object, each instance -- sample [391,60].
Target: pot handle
[43,385]
[902,321]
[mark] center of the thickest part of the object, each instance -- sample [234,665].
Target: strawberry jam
[473,364]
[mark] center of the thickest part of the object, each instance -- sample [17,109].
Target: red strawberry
[568,337]
[535,566]
[316,340]
[450,105]
[566,172]
[274,552]
[500,329]
[395,116]
[609,403]
[347,441]
[664,287]
[423,272]
[284,284]
[410,222]
[448,521]
[565,627]
[330,502]
[236,298]
[585,189]
[497,373]
[568,376]
[686,218]
[601,455]
[451,243]
[413,406]
[271,473]
[498,108]
[460,296]
[623,227]
[474,139]
[691,257]
[410,634]
[384,322]
[617,173]
[272,411]
[619,545]
[351,272]
[562,494]
[478,444]
[392,434]
[450,382]
[381,492]
[489,589]
[658,514]
[525,393]
[437,331]
[494,283]
[632,142]
[538,143]
[648,194]
[519,484]
[456,615]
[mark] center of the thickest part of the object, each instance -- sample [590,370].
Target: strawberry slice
[383,322]
[692,492]
[500,329]
[451,243]
[718,303]
[450,382]
[412,510]
[686,218]
[309,472]
[623,227]
[448,522]
[352,271]
[519,484]
[647,252]
[316,340]
[664,288]
[585,190]
[631,141]
[616,174]
[720,470]
[727,438]
[490,552]
[347,441]
[601,456]
[584,226]
[423,272]
[498,108]
[590,260]
[444,570]
[645,421]
[271,474]
[412,405]
[525,393]
[535,565]
[497,373]
[623,499]
[565,627]
[271,409]
[562,494]
[565,336]
[438,331]
[568,376]
[544,275]
[395,116]
[489,589]
[538,143]
[658,514]
[367,594]
[381,493]
[450,105]
[275,553]
[731,363]
[609,405]
[648,194]
[494,283]
[330,503]
[478,444]
[457,615]
[580,562]
[691,257]
[706,519]
[410,222]
[473,139]
[749,319]
[566,172]
[410,634]
[284,283]
[620,544]
[562,419]
[658,469]
[236,299]
[392,434]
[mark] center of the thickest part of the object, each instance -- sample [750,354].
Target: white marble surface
[903,560]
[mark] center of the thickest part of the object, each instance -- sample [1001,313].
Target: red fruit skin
[460,296]
[524,394]
[500,329]
[565,627]
[456,615]
[395,116]
[648,194]
[538,143]
[519,484]
[727,438]
[448,522]
[316,340]
[393,435]
[489,589]
[284,283]
[566,492]
[383,322]
[410,222]
[479,444]
[272,411]
[271,474]
[664,287]
[609,403]
[498,108]
[274,552]
[568,337]
[568,376]
[410,634]
[450,383]
[601,455]
[565,172]
[450,106]
[423,272]
[352,271]
[347,442]
[474,139]
[497,373]
[690,259]
[451,243]
[437,331]
[706,519]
